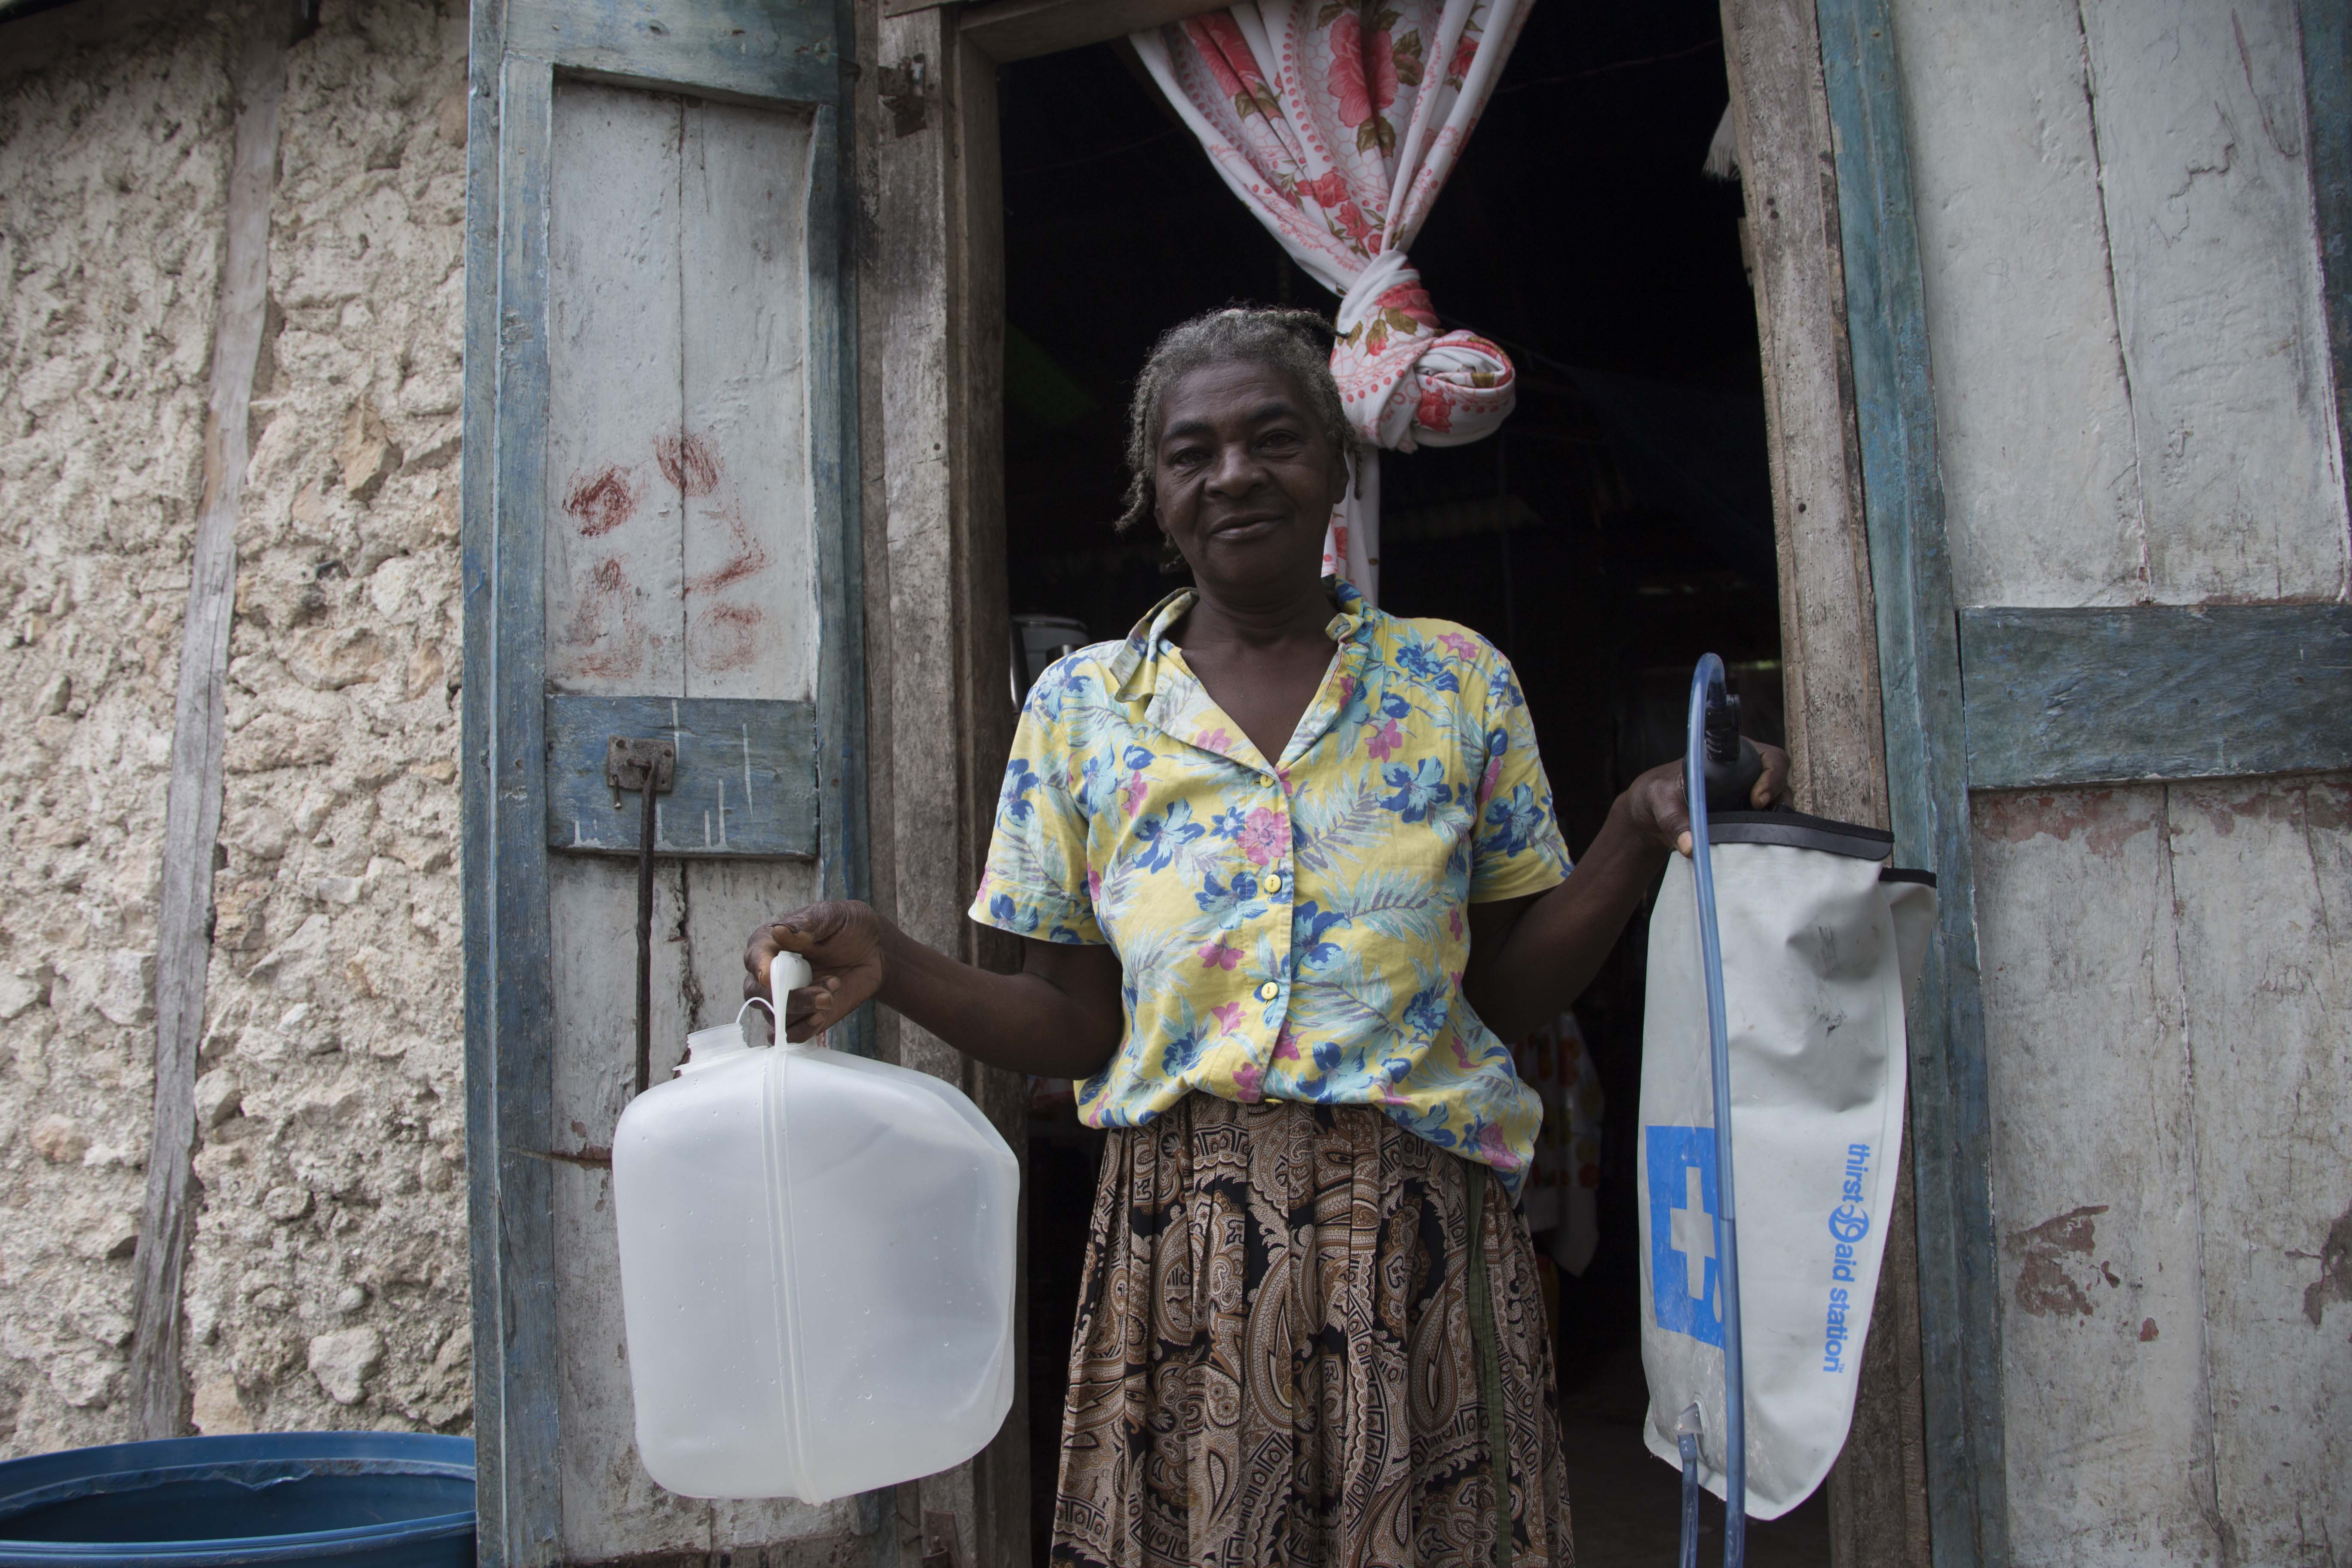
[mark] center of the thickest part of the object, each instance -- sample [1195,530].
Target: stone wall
[327,1279]
[113,169]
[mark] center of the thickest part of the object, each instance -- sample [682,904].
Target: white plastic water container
[817,1257]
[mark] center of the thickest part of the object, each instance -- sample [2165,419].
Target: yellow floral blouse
[1292,930]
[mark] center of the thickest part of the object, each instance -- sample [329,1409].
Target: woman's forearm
[1558,944]
[1026,1022]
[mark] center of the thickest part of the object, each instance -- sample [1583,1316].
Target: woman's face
[1244,479]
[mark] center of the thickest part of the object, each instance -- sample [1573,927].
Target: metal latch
[650,768]
[627,761]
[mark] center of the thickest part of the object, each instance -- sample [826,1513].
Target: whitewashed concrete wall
[327,1279]
[2134,405]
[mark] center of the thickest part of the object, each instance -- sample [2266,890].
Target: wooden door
[661,540]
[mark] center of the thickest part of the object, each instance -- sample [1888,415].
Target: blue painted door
[661,540]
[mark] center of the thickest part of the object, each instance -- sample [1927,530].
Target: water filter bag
[1820,946]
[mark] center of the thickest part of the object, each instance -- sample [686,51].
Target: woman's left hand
[1661,811]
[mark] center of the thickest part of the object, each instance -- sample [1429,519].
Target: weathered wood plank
[789,54]
[2124,300]
[1918,663]
[2034,410]
[837,493]
[1021,29]
[2328,119]
[941,306]
[1000,1472]
[523,1012]
[1878,1497]
[477,776]
[745,778]
[615,609]
[191,809]
[612,1509]
[617,522]
[1828,650]
[2096,1181]
[923,325]
[743,440]
[2073,697]
[2261,871]
[2204,172]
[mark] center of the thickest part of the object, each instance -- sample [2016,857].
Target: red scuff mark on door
[2105,821]
[602,500]
[2046,1285]
[725,637]
[750,558]
[687,462]
[606,598]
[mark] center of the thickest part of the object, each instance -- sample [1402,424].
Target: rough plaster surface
[327,1278]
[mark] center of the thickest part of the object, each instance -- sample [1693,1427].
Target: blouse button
[1268,992]
[1274,881]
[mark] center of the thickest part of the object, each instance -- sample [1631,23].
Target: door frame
[1857,504]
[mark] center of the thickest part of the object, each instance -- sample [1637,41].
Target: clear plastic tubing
[1707,682]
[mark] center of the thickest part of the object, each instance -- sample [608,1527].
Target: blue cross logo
[1685,1285]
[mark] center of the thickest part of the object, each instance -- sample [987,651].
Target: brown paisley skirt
[1277,1358]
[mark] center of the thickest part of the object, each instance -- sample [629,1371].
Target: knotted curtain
[1337,123]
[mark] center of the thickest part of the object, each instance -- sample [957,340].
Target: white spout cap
[787,972]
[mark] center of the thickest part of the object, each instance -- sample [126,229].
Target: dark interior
[1617,528]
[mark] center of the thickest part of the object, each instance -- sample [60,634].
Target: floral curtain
[1337,123]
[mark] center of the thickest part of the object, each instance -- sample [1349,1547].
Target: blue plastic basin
[354,1499]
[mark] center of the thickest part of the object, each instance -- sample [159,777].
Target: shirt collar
[1140,653]
[1138,657]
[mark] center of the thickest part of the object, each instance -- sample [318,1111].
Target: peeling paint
[2335,1282]
[2046,1287]
[2097,817]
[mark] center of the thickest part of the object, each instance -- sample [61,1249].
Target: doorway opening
[1618,526]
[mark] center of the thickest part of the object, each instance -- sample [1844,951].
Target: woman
[1284,900]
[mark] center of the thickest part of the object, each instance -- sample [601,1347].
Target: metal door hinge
[906,89]
[939,1540]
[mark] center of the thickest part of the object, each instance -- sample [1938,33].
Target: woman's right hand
[842,940]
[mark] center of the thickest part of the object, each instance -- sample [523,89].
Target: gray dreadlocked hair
[1284,340]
